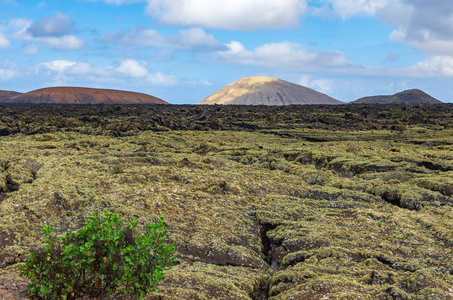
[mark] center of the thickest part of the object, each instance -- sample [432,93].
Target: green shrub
[101,260]
[397,112]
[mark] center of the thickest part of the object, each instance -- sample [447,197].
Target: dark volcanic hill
[267,91]
[78,95]
[404,97]
[4,95]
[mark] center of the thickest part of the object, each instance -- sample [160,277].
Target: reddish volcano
[406,97]
[79,95]
[7,94]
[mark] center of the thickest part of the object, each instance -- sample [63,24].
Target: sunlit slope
[267,91]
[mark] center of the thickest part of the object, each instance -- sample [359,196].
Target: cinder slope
[79,95]
[4,95]
[267,91]
[404,97]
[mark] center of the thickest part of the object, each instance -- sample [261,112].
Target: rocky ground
[325,202]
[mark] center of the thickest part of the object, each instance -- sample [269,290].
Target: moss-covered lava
[277,210]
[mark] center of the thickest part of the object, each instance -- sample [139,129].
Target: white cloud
[186,39]
[281,55]
[424,39]
[67,42]
[123,1]
[19,25]
[350,8]
[51,37]
[132,68]
[228,14]
[31,49]
[433,45]
[86,69]
[8,70]
[73,68]
[434,66]
[200,82]
[161,79]
[7,74]
[59,66]
[390,57]
[80,69]
[41,5]
[235,47]
[128,72]
[196,39]
[425,25]
[165,55]
[117,2]
[4,42]
[53,26]
[321,85]
[135,36]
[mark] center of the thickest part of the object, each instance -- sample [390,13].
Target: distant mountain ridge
[259,90]
[405,97]
[7,94]
[80,95]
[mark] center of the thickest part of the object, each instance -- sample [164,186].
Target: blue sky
[184,50]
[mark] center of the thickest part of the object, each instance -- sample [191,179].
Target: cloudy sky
[184,50]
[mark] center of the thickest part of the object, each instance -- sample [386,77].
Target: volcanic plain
[289,202]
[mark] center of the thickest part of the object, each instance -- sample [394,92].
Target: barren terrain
[297,202]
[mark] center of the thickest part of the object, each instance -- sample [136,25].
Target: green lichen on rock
[301,210]
[17,174]
[3,182]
